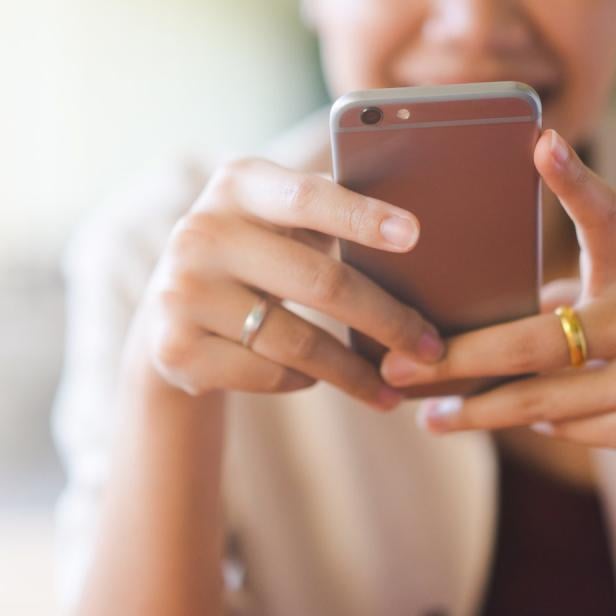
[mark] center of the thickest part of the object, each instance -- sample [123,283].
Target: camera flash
[403,114]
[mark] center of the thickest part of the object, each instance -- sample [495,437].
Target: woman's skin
[160,540]
[567,51]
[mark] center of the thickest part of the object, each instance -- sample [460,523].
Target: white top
[347,511]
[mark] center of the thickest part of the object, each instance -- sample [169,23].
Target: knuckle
[182,252]
[300,193]
[178,242]
[205,224]
[302,343]
[329,282]
[185,288]
[170,302]
[358,220]
[171,349]
[197,231]
[177,293]
[223,181]
[220,186]
[182,239]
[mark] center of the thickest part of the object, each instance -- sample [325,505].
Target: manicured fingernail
[388,398]
[559,149]
[430,347]
[401,232]
[398,369]
[436,414]
[543,427]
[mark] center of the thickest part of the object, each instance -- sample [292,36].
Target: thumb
[590,203]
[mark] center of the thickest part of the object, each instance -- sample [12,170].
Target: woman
[312,502]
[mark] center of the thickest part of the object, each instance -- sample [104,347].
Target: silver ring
[254,321]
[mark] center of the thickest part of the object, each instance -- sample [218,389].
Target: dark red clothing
[552,554]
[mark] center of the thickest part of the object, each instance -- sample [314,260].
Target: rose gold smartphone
[460,157]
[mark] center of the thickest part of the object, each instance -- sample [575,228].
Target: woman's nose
[479,25]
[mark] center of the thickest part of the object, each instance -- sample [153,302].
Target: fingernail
[436,414]
[388,398]
[559,149]
[543,427]
[399,369]
[430,347]
[401,232]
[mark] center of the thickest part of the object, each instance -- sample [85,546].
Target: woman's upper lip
[443,71]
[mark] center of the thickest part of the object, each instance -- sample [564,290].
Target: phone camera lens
[371,115]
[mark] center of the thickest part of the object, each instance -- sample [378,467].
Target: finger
[270,193]
[530,345]
[201,364]
[319,241]
[591,204]
[496,351]
[288,340]
[596,431]
[558,397]
[285,268]
[565,291]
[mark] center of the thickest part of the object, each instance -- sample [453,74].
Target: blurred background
[92,94]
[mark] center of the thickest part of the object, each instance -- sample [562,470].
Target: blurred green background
[93,93]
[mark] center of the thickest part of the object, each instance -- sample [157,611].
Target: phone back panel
[463,164]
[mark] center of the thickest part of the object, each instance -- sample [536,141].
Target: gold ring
[574,333]
[254,320]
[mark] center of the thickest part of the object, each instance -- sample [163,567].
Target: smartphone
[460,157]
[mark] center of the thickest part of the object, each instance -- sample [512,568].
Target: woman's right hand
[259,229]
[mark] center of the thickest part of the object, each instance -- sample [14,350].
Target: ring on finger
[574,333]
[254,321]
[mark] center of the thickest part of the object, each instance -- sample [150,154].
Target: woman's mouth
[544,78]
[549,92]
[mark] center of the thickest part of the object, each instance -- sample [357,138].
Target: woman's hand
[570,403]
[256,230]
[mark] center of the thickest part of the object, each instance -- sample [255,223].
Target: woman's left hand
[577,404]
